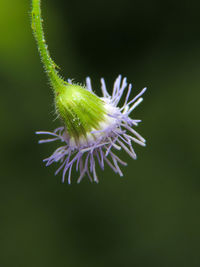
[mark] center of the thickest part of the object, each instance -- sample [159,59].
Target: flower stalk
[56,81]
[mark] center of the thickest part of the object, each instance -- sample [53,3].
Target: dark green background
[150,217]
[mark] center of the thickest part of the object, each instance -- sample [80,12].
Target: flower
[113,130]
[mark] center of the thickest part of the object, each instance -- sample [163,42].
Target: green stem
[50,67]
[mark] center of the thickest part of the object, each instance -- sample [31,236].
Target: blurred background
[150,217]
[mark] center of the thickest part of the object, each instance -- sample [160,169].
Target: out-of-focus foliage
[151,216]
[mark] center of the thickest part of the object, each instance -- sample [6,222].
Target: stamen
[131,154]
[47,140]
[135,140]
[110,164]
[88,84]
[118,159]
[103,88]
[137,96]
[117,167]
[128,94]
[69,174]
[135,105]
[134,132]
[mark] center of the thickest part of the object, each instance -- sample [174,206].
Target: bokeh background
[150,217]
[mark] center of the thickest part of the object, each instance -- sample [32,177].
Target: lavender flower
[114,131]
[93,127]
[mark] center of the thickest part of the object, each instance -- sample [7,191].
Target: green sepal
[81,110]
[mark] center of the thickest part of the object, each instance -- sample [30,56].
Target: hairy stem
[56,81]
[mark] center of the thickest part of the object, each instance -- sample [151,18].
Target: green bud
[81,110]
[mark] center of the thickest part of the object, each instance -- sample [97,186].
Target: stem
[56,82]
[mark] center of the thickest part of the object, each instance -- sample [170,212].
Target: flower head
[93,129]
